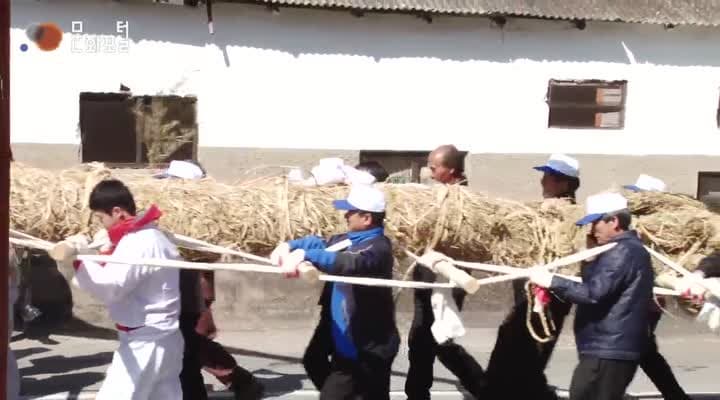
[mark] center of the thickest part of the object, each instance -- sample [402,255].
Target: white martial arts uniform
[147,364]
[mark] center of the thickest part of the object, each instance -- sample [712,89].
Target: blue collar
[361,236]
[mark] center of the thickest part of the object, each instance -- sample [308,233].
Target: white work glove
[69,248]
[541,276]
[101,241]
[431,258]
[291,262]
[710,315]
[690,287]
[447,325]
[281,251]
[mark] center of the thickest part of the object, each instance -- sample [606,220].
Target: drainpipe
[4,186]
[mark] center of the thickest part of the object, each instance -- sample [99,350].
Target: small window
[708,183]
[587,104]
[402,166]
[134,131]
[717,116]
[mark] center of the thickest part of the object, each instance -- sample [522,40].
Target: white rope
[153,262]
[684,272]
[25,240]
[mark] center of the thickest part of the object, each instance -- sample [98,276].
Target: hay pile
[255,216]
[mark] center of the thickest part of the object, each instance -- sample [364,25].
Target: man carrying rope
[446,166]
[143,301]
[520,355]
[612,318]
[652,362]
[197,290]
[357,328]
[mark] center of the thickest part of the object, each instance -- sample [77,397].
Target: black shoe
[253,390]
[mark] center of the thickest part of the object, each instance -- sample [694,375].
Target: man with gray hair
[613,299]
[446,166]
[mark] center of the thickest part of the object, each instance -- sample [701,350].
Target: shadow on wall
[313,31]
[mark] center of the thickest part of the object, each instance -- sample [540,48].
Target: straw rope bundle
[255,216]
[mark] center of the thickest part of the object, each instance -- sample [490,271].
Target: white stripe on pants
[145,369]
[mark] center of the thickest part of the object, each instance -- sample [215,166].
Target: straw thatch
[256,216]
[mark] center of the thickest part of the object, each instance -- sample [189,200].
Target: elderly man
[446,166]
[613,299]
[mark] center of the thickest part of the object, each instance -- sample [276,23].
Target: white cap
[598,205]
[354,176]
[647,183]
[182,169]
[563,164]
[362,198]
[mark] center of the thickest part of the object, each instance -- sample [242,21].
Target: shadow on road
[297,360]
[72,383]
[60,364]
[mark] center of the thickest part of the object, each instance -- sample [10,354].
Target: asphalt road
[71,364]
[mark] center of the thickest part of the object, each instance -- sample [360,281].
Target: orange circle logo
[47,36]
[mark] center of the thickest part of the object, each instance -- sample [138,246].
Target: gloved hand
[291,262]
[281,251]
[710,315]
[541,277]
[431,258]
[542,298]
[101,241]
[690,286]
[448,325]
[69,248]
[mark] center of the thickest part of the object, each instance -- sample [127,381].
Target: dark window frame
[598,109]
[702,184]
[92,149]
[416,160]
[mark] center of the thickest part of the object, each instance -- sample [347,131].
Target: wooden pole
[4,187]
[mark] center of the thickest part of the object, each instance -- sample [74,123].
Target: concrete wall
[316,79]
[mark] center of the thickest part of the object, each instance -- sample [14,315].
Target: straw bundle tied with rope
[255,216]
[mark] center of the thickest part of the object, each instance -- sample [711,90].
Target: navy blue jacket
[363,317]
[612,317]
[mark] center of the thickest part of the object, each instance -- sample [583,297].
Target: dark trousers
[424,349]
[600,379]
[357,380]
[518,357]
[658,370]
[316,359]
[202,352]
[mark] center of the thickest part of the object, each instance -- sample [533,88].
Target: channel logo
[46,36]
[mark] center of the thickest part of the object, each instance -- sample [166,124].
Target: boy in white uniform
[143,301]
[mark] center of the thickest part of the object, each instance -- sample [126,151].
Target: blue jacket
[363,317]
[612,317]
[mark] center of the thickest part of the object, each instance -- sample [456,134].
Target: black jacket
[372,323]
[710,265]
[612,317]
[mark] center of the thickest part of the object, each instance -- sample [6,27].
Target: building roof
[673,12]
